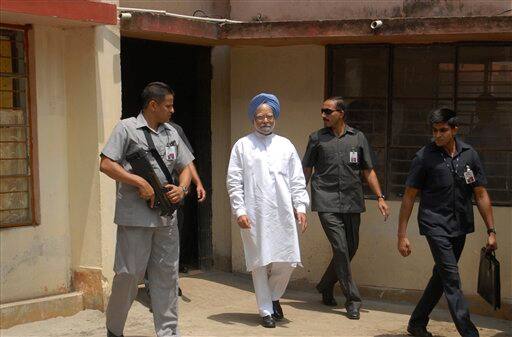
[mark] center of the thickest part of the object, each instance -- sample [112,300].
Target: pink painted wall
[212,8]
[249,10]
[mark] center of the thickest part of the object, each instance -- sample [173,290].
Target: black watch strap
[491,230]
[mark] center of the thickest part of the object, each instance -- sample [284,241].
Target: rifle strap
[156,155]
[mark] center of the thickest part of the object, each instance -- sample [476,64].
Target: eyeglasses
[261,118]
[327,111]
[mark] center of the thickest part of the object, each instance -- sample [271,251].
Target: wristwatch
[185,189]
[491,230]
[381,196]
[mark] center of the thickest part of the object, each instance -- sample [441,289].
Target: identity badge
[170,152]
[353,157]
[469,176]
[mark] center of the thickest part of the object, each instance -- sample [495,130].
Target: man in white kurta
[268,193]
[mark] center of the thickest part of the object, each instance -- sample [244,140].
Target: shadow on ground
[311,301]
[252,320]
[236,318]
[500,334]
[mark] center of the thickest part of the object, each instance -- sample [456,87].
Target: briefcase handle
[489,252]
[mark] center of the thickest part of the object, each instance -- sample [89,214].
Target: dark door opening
[187,70]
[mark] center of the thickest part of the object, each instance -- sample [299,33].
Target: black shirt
[182,135]
[446,208]
[336,182]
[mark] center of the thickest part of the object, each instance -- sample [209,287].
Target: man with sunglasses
[446,173]
[340,155]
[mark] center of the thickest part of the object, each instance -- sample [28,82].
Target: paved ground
[221,304]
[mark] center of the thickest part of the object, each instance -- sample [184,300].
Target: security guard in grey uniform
[146,240]
[339,156]
[447,173]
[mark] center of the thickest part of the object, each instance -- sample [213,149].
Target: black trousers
[445,279]
[183,233]
[342,231]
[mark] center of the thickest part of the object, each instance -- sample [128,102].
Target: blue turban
[268,99]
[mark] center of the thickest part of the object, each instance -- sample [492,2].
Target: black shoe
[180,293]
[328,298]
[353,313]
[418,331]
[268,322]
[278,311]
[111,334]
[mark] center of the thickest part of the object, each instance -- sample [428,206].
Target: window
[16,187]
[391,89]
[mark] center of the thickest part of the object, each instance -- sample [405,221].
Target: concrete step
[38,309]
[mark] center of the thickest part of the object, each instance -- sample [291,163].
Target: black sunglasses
[327,111]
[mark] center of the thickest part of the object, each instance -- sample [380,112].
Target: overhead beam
[397,30]
[93,12]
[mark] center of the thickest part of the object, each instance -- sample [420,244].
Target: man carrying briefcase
[489,286]
[447,173]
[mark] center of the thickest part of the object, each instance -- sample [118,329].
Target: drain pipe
[127,10]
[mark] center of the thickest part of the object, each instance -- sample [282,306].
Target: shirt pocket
[170,163]
[441,177]
[351,169]
[327,155]
[346,157]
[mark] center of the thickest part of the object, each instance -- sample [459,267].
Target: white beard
[266,130]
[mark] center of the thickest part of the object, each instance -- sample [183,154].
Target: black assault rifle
[142,167]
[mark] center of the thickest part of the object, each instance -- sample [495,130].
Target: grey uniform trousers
[342,231]
[157,250]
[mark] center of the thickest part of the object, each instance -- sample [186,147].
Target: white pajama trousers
[270,283]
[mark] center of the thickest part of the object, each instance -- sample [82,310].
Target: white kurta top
[265,182]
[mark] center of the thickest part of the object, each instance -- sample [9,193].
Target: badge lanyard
[171,149]
[469,176]
[452,169]
[156,155]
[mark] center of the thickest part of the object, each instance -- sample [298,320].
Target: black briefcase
[489,286]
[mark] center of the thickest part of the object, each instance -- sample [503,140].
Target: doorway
[187,70]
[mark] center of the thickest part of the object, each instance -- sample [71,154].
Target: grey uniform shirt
[128,137]
[336,182]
